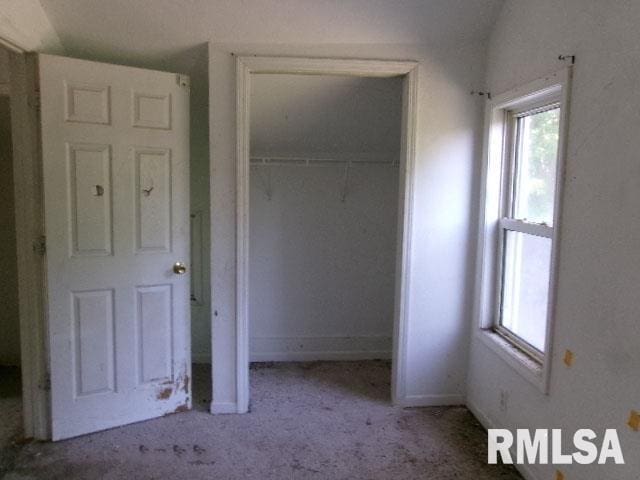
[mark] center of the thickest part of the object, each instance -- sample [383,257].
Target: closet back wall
[322,257]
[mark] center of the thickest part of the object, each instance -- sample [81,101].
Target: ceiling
[151,30]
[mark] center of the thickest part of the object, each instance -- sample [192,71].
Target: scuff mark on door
[165,393]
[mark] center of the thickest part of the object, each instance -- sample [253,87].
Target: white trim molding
[551,88]
[222,408]
[453,399]
[29,207]
[245,67]
[10,45]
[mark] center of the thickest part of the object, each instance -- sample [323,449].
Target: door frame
[245,67]
[30,251]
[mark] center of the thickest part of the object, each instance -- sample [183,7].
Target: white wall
[157,28]
[9,319]
[322,271]
[447,146]
[598,306]
[325,115]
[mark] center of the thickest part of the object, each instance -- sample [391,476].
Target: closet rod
[305,162]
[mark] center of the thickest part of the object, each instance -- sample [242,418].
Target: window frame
[508,222]
[497,197]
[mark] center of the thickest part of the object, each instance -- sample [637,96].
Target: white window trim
[553,87]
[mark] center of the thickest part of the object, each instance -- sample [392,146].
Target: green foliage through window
[536,166]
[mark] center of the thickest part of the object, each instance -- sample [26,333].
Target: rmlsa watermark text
[544,448]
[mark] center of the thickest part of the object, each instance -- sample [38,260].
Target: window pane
[536,158]
[525,287]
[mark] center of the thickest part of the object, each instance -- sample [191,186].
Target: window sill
[528,368]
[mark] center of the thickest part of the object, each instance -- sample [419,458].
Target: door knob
[179,268]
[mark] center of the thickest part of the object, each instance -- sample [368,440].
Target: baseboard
[312,348]
[305,356]
[319,356]
[431,400]
[487,423]
[220,408]
[482,417]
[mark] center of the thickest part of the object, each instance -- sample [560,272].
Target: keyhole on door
[147,191]
[98,191]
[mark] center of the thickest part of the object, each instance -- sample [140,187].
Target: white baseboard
[319,356]
[220,408]
[312,348]
[487,423]
[431,400]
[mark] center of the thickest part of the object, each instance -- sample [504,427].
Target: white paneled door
[115,146]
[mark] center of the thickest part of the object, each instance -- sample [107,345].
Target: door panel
[93,325]
[90,214]
[153,199]
[115,162]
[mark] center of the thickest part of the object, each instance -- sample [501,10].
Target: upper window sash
[512,150]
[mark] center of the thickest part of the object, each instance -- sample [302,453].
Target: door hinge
[184,80]
[40,245]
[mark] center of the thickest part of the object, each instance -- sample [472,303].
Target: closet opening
[10,351]
[324,178]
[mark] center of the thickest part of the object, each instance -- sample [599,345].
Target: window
[526,226]
[521,191]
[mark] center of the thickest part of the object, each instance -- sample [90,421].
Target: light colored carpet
[325,420]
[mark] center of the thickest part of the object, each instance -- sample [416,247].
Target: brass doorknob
[179,268]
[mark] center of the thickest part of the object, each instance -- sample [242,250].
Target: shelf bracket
[266,182]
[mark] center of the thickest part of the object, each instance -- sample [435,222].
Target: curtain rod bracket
[570,58]
[481,94]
